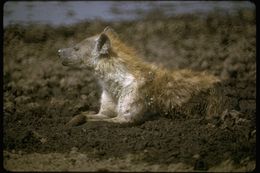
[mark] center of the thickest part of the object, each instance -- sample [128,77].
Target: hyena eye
[76,48]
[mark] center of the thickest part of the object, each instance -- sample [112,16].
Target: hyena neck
[114,77]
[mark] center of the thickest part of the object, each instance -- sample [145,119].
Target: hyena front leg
[130,109]
[107,110]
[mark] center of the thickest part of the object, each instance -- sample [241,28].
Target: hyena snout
[64,53]
[69,56]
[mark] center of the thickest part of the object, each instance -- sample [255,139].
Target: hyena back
[133,89]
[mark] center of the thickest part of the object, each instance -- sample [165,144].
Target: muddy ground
[41,95]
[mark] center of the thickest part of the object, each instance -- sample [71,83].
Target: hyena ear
[103,44]
[110,31]
[107,29]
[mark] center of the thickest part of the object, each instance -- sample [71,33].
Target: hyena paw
[76,120]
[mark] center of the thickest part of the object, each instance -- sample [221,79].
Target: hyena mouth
[65,63]
[68,63]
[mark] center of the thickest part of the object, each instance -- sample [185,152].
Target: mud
[41,96]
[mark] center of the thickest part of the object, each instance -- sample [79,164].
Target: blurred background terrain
[41,95]
[68,12]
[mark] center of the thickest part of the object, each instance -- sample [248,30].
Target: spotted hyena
[133,89]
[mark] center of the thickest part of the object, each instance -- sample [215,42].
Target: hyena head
[88,51]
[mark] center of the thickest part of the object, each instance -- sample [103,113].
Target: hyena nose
[59,52]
